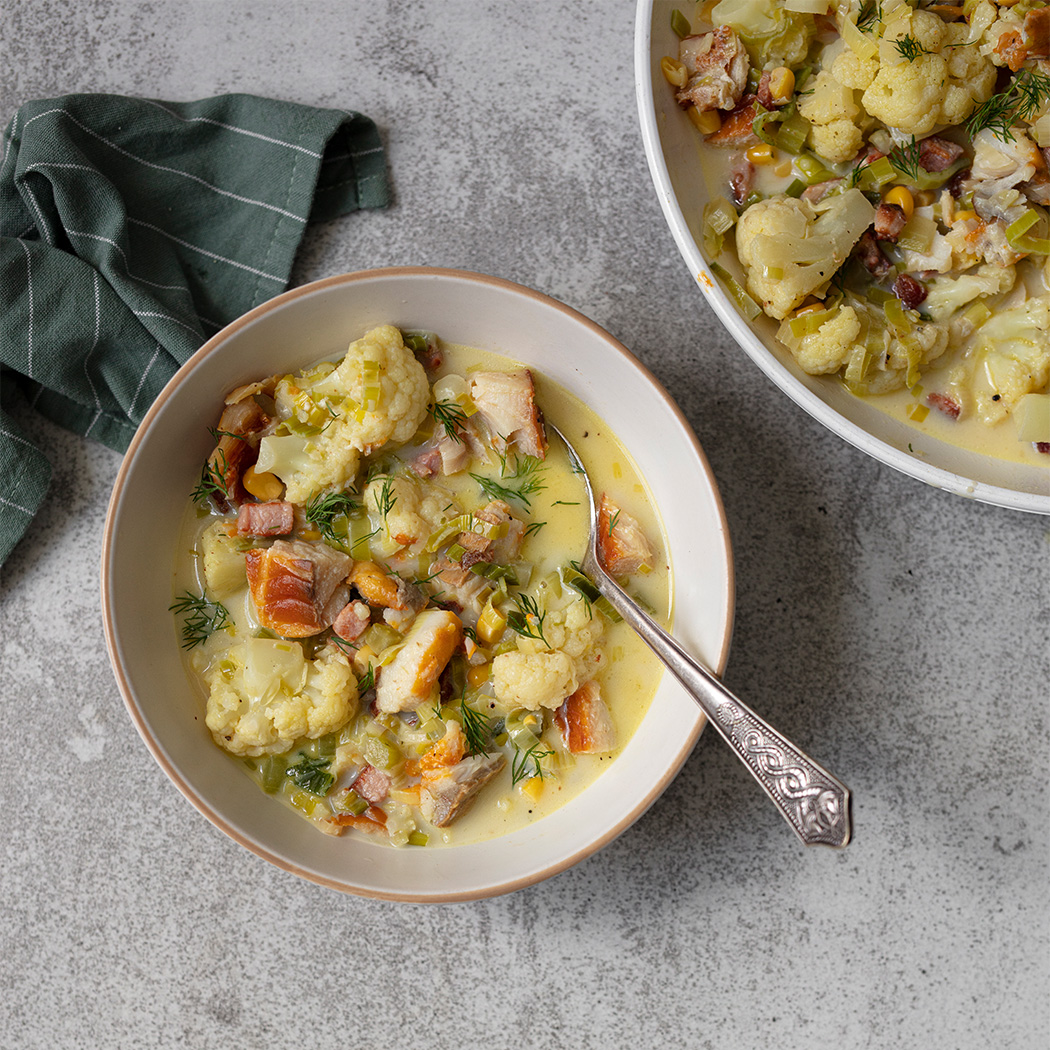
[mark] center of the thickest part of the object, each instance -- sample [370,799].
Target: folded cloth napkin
[131,231]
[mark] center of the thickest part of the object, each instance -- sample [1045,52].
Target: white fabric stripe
[16,506]
[41,225]
[231,127]
[354,155]
[162,167]
[29,289]
[9,141]
[166,317]
[138,389]
[204,251]
[29,229]
[127,266]
[94,344]
[15,437]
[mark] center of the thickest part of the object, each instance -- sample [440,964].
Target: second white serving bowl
[685,181]
[318,321]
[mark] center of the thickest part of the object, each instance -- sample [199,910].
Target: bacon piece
[295,586]
[352,621]
[427,462]
[765,97]
[943,403]
[454,585]
[373,820]
[737,130]
[622,546]
[276,518]
[870,255]
[477,549]
[717,65]
[407,681]
[372,784]
[937,154]
[507,403]
[910,291]
[505,548]
[816,193]
[240,426]
[889,221]
[1042,446]
[585,723]
[741,178]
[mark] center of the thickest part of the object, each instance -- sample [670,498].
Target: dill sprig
[386,498]
[202,618]
[910,48]
[905,158]
[367,680]
[311,774]
[526,764]
[1020,100]
[477,729]
[527,620]
[869,16]
[324,508]
[451,416]
[519,482]
[212,483]
[533,527]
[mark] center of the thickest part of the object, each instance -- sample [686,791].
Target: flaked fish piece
[585,723]
[717,65]
[265,386]
[296,586]
[448,781]
[451,583]
[505,548]
[506,402]
[409,679]
[622,545]
[737,130]
[276,518]
[352,621]
[240,427]
[382,590]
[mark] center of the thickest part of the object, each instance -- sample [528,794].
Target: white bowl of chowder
[894,280]
[339,592]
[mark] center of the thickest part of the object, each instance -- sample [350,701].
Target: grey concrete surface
[898,632]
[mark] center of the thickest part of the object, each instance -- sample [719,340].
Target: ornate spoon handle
[811,800]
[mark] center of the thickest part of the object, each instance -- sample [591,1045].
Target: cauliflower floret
[1013,351]
[378,394]
[773,36]
[534,680]
[394,504]
[223,560]
[946,295]
[828,348]
[790,249]
[832,113]
[854,71]
[938,83]
[265,696]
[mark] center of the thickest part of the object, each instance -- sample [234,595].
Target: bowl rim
[836,422]
[640,805]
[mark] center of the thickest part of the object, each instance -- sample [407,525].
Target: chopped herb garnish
[612,522]
[527,620]
[870,15]
[533,527]
[203,618]
[519,483]
[526,764]
[910,48]
[311,774]
[905,158]
[323,509]
[212,484]
[386,499]
[451,416]
[477,729]
[1020,100]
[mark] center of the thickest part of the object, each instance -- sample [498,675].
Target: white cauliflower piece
[946,295]
[790,249]
[534,680]
[377,394]
[940,82]
[832,113]
[1013,350]
[222,556]
[265,696]
[826,350]
[393,505]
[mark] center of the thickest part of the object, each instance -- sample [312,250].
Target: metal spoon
[811,800]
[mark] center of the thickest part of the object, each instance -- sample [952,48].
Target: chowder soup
[377,595]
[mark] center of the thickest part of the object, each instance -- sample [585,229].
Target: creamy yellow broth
[628,674]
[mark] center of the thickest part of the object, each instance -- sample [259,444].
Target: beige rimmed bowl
[686,177]
[318,321]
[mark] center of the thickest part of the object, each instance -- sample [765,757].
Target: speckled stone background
[898,632]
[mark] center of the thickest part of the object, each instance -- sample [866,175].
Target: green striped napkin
[131,231]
